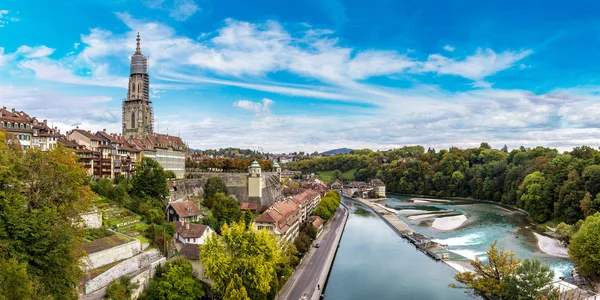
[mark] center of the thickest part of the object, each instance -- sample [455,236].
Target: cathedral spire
[137,49]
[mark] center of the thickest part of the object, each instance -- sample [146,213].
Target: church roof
[276,165]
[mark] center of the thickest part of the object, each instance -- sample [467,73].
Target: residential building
[182,211]
[44,137]
[282,218]
[189,233]
[307,201]
[378,186]
[19,124]
[316,222]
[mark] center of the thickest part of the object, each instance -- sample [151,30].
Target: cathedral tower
[137,107]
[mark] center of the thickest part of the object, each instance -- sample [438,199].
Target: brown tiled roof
[190,251]
[316,221]
[249,205]
[304,197]
[376,182]
[278,213]
[185,208]
[67,143]
[87,134]
[107,136]
[190,230]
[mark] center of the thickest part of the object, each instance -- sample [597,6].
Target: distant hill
[337,151]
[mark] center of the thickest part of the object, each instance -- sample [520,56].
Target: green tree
[15,283]
[336,175]
[487,277]
[150,180]
[226,210]
[175,281]
[213,186]
[251,254]
[236,290]
[534,198]
[247,218]
[120,289]
[170,174]
[532,280]
[586,205]
[584,248]
[591,175]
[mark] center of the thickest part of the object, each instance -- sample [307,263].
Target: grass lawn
[327,175]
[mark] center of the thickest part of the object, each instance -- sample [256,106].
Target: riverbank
[551,246]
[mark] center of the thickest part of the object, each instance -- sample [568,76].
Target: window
[132,120]
[27,126]
[22,126]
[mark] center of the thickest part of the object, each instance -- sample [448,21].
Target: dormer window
[1,124]
[22,126]
[8,125]
[27,126]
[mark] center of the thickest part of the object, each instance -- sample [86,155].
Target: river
[486,223]
[373,262]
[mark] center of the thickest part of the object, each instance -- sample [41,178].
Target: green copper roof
[254,165]
[276,165]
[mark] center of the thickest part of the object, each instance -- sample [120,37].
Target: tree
[586,205]
[485,145]
[251,254]
[213,186]
[584,248]
[170,174]
[504,149]
[226,210]
[150,180]
[534,198]
[236,290]
[14,280]
[120,289]
[591,175]
[487,278]
[247,218]
[175,280]
[532,280]
[336,175]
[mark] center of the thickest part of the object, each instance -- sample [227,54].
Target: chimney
[103,129]
[45,122]
[187,225]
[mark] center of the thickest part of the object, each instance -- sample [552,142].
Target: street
[307,275]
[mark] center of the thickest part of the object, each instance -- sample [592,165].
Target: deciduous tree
[584,248]
[150,180]
[532,280]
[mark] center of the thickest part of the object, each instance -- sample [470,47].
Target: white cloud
[179,10]
[34,52]
[5,19]
[183,9]
[449,48]
[256,107]
[478,66]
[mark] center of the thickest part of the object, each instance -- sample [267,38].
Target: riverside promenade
[310,276]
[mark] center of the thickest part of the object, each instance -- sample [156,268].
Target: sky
[314,75]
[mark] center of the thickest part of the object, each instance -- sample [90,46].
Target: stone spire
[137,49]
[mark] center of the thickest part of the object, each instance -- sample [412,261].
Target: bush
[120,289]
[93,234]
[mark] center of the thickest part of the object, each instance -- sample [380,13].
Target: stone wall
[91,219]
[144,261]
[237,185]
[111,255]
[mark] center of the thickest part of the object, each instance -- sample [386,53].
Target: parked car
[317,245]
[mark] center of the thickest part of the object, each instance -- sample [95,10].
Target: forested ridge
[546,183]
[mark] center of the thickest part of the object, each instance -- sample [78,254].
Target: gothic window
[140,89]
[132,119]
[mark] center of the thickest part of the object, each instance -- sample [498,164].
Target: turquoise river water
[374,262]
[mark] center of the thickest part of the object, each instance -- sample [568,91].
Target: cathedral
[137,107]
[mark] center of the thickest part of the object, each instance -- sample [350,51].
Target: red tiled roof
[190,230]
[249,205]
[278,213]
[185,208]
[316,221]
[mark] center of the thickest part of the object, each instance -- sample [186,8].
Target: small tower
[277,169]
[255,182]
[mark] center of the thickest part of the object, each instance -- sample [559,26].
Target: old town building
[17,124]
[282,218]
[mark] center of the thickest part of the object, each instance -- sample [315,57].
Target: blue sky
[314,75]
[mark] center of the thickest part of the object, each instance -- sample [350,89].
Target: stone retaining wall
[144,261]
[111,255]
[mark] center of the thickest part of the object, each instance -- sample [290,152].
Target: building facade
[282,218]
[18,125]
